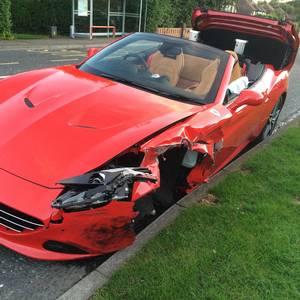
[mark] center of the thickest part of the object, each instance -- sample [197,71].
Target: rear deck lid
[281,31]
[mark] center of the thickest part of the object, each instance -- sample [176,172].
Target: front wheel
[272,121]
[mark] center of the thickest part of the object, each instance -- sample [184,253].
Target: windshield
[175,68]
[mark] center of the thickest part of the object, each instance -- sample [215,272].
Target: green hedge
[5,19]
[169,13]
[172,13]
[36,16]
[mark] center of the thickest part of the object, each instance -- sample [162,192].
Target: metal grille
[17,221]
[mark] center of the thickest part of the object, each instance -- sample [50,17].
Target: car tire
[270,126]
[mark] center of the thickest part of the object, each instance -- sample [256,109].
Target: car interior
[191,73]
[260,49]
[172,67]
[167,63]
[197,74]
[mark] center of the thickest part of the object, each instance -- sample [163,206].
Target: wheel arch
[283,95]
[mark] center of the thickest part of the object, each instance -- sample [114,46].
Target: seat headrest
[234,54]
[170,51]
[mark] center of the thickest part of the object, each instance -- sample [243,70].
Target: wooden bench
[102,27]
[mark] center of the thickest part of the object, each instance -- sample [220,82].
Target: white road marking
[9,63]
[70,55]
[74,51]
[37,51]
[68,59]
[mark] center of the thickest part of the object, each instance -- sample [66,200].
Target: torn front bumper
[76,235]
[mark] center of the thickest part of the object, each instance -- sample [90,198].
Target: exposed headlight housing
[98,188]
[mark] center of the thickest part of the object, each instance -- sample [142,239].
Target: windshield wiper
[113,77]
[180,97]
[151,89]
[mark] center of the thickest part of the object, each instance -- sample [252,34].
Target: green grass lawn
[25,36]
[245,246]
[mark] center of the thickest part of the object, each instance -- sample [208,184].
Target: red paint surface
[81,121]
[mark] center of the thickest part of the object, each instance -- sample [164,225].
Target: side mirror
[247,97]
[92,51]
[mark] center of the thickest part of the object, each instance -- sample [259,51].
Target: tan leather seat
[190,75]
[237,70]
[167,66]
[208,77]
[198,74]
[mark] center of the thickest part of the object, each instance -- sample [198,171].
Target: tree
[172,13]
[5,19]
[217,4]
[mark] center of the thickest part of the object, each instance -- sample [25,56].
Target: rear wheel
[272,121]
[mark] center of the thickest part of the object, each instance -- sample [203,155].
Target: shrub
[5,19]
[36,16]
[172,13]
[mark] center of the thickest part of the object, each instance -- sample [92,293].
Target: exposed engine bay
[120,178]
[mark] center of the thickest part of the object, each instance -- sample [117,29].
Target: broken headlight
[98,188]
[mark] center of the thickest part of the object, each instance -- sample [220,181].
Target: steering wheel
[137,58]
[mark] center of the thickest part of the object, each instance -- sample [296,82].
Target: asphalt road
[12,62]
[23,278]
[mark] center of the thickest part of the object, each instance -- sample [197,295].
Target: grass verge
[245,246]
[25,36]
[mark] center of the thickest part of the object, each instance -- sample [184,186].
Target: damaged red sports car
[88,151]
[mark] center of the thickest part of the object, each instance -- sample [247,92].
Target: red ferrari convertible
[88,151]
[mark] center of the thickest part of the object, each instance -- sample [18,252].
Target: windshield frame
[181,94]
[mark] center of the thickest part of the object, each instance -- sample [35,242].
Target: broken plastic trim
[96,189]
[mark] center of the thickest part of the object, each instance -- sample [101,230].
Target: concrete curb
[86,287]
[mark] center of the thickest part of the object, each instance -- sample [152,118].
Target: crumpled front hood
[60,122]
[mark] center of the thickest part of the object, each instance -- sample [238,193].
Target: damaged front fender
[140,187]
[195,135]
